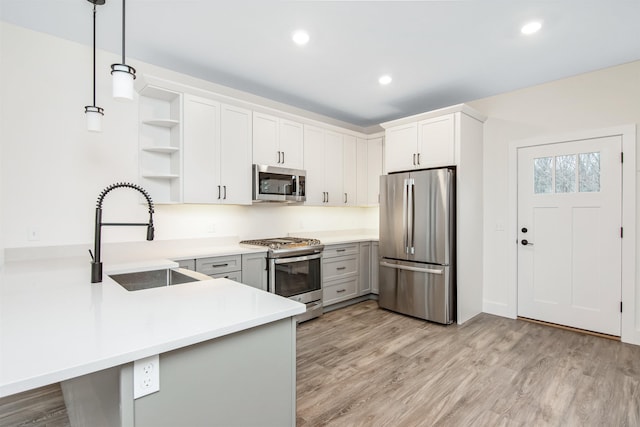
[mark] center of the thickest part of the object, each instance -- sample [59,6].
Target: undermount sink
[139,280]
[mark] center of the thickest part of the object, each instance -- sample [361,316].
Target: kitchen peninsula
[227,351]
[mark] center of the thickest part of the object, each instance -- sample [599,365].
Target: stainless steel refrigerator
[417,244]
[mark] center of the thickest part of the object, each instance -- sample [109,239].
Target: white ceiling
[439,52]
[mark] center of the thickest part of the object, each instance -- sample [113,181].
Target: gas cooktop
[287,246]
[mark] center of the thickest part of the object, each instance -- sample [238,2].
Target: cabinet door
[291,144]
[334,164]
[265,140]
[350,170]
[201,155]
[374,267]
[400,148]
[314,165]
[435,142]
[362,173]
[374,165]
[254,270]
[364,279]
[235,155]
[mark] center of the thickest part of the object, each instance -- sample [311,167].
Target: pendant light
[123,74]
[93,113]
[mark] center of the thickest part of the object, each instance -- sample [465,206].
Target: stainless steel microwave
[273,184]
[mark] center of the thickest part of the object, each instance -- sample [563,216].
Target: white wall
[52,169]
[601,99]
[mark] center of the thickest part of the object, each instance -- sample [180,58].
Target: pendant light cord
[123,11]
[94,54]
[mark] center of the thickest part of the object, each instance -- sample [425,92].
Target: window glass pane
[589,172]
[542,177]
[566,174]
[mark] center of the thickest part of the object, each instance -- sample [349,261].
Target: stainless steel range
[295,271]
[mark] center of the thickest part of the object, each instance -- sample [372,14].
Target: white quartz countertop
[56,325]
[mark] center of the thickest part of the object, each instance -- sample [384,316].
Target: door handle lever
[525,242]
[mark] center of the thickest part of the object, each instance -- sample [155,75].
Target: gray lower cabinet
[189,264]
[364,279]
[340,273]
[254,270]
[249,269]
[221,382]
[374,267]
[221,266]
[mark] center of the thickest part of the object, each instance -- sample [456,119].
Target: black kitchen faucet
[96,264]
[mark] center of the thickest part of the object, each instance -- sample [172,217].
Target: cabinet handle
[225,192]
[218,192]
[324,197]
[278,157]
[219,265]
[341,268]
[345,197]
[341,250]
[418,159]
[414,159]
[283,157]
[339,291]
[327,197]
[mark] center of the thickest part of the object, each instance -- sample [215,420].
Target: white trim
[630,327]
[464,108]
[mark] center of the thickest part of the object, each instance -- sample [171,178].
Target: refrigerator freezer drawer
[420,290]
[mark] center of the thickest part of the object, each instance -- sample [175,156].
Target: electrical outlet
[33,234]
[146,376]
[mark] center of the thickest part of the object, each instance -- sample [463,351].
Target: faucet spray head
[150,232]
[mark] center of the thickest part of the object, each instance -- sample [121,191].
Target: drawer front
[338,268]
[189,264]
[333,251]
[236,276]
[340,291]
[217,265]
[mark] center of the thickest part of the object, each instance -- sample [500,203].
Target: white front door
[569,235]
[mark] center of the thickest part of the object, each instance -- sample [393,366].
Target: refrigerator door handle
[411,215]
[405,235]
[408,268]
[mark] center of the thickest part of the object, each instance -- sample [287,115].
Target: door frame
[630,327]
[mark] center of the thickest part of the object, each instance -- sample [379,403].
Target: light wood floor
[362,366]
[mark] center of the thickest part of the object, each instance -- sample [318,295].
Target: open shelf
[160,141]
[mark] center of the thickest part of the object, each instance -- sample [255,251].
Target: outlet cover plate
[146,376]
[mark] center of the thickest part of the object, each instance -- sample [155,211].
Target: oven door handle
[289,260]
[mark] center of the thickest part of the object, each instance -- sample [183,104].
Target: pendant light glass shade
[123,75]
[94,118]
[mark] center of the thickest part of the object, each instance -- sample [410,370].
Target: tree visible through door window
[561,174]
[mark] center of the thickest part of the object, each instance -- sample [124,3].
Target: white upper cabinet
[217,152]
[436,146]
[277,141]
[350,170]
[235,155]
[324,163]
[423,144]
[374,170]
[201,149]
[401,146]
[369,169]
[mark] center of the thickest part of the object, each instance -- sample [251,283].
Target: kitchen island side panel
[247,378]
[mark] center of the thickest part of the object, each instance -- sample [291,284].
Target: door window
[566,173]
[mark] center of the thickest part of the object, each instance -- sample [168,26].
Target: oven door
[298,278]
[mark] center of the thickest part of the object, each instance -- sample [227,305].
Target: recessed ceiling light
[300,37]
[531,27]
[385,80]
